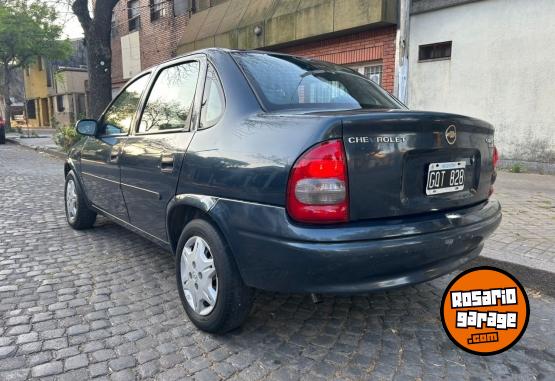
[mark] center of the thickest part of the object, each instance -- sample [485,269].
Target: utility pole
[402,52]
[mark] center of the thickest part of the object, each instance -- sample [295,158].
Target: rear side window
[213,102]
[170,102]
[285,82]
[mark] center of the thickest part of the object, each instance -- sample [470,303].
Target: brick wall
[159,41]
[158,38]
[371,45]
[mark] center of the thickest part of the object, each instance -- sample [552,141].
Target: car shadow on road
[292,312]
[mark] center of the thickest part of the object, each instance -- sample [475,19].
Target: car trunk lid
[389,156]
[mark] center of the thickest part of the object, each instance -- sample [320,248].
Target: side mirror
[87,127]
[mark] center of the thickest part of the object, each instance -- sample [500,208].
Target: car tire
[2,135]
[233,300]
[79,216]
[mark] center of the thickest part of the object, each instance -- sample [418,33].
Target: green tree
[28,30]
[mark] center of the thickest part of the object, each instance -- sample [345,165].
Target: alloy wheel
[198,276]
[71,200]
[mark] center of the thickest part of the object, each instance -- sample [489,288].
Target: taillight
[494,160]
[495,157]
[317,190]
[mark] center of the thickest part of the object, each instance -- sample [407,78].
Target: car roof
[226,50]
[210,51]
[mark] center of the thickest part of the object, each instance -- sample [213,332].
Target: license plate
[445,177]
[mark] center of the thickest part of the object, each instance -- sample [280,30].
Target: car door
[100,154]
[152,157]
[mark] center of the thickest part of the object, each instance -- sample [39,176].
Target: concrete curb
[530,277]
[50,151]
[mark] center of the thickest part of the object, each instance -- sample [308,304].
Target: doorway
[44,113]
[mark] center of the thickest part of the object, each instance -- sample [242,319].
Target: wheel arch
[69,165]
[184,208]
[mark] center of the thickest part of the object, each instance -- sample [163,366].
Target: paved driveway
[103,303]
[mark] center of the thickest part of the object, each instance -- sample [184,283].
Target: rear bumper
[274,254]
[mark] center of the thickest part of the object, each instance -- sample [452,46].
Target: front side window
[119,116]
[285,82]
[170,101]
[213,102]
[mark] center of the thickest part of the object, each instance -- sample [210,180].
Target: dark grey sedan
[263,170]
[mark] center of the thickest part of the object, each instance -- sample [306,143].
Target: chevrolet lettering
[376,139]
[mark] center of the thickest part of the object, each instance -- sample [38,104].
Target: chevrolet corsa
[269,171]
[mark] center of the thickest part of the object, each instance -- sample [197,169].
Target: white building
[490,59]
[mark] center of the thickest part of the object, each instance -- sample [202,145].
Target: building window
[182,7]
[133,15]
[113,26]
[157,9]
[48,75]
[60,103]
[201,5]
[31,109]
[437,51]
[39,63]
[372,71]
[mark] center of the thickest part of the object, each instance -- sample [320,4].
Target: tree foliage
[28,30]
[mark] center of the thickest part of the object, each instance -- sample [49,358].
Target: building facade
[39,90]
[145,33]
[56,90]
[491,59]
[360,34]
[70,94]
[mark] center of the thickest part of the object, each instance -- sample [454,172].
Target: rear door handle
[166,163]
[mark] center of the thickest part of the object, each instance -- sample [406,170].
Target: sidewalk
[527,233]
[43,143]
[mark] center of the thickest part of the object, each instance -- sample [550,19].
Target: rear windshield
[286,82]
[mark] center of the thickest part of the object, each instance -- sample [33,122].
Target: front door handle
[166,163]
[114,155]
